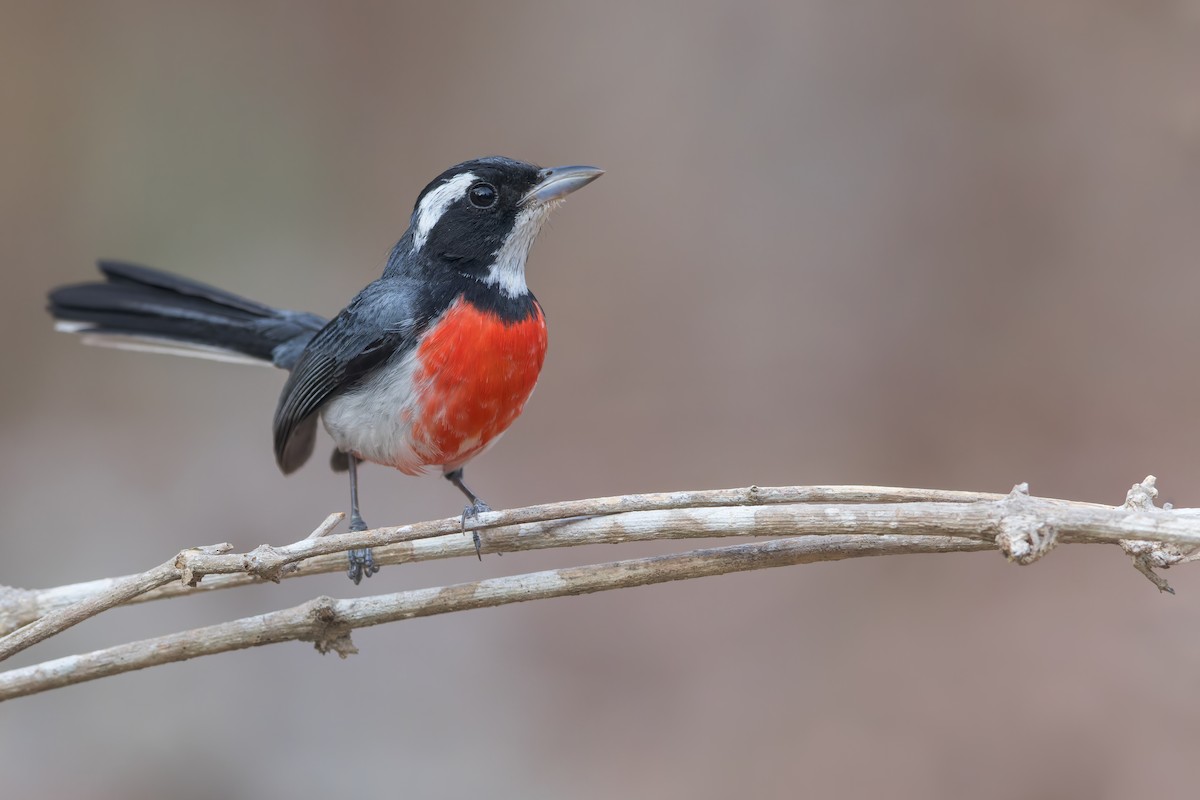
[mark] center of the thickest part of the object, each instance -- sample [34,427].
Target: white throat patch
[434,205]
[507,272]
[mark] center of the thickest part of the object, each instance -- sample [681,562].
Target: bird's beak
[555,183]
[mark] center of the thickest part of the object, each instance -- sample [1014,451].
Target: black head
[480,217]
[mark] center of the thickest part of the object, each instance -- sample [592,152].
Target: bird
[424,368]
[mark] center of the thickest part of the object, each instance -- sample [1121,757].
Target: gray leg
[476,508]
[361,562]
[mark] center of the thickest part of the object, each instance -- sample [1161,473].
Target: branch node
[265,562]
[1023,537]
[328,631]
[1024,542]
[1140,496]
[183,561]
[1148,556]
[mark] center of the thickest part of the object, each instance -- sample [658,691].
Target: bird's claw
[362,565]
[470,512]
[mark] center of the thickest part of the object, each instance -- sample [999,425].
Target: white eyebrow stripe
[434,204]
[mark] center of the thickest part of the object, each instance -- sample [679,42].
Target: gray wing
[378,324]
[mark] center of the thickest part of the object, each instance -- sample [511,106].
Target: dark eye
[482,195]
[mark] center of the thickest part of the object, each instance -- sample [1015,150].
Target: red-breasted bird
[425,367]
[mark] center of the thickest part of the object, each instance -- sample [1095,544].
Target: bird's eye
[482,195]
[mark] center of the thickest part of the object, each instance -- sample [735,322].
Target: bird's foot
[470,512]
[362,563]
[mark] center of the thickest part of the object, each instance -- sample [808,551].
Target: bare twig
[269,562]
[327,622]
[326,527]
[1011,520]
[1150,555]
[834,522]
[21,606]
[59,620]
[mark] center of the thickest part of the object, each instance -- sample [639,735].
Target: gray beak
[558,182]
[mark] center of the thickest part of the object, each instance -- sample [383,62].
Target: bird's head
[479,218]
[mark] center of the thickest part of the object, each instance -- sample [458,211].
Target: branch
[327,622]
[834,523]
[124,590]
[21,606]
[752,511]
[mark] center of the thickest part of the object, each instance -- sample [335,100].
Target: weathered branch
[59,620]
[21,606]
[327,622]
[409,543]
[831,522]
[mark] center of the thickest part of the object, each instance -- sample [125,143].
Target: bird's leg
[361,562]
[476,508]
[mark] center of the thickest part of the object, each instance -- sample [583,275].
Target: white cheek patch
[434,205]
[508,270]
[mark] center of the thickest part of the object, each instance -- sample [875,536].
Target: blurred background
[933,243]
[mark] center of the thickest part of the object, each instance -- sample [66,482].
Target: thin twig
[19,607]
[859,521]
[326,527]
[63,618]
[1012,520]
[118,592]
[327,622]
[269,562]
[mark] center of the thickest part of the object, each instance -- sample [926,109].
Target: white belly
[374,421]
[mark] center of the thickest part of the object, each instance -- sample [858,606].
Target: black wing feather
[376,326]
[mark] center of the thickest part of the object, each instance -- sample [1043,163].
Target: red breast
[473,375]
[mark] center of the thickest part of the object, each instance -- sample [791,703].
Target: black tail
[146,308]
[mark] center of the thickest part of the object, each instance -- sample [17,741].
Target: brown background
[931,243]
